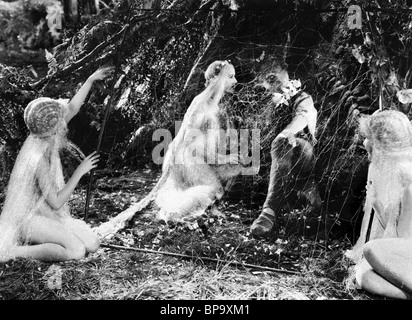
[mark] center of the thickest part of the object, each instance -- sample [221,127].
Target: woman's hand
[74,105]
[89,163]
[101,74]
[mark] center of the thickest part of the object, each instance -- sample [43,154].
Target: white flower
[53,276]
[278,98]
[404,96]
[281,241]
[294,86]
[291,89]
[358,55]
[279,251]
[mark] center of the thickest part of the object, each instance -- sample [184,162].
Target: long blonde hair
[391,135]
[388,130]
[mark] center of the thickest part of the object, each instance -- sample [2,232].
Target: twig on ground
[239,264]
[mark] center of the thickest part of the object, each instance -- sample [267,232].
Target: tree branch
[225,262]
[75,65]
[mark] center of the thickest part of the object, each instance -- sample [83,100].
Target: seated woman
[384,263]
[35,221]
[195,169]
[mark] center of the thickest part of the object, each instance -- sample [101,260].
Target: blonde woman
[35,221]
[193,169]
[384,263]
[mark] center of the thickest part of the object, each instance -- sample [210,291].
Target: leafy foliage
[23,22]
[161,55]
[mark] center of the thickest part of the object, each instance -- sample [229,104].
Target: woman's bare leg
[51,242]
[372,282]
[392,260]
[82,231]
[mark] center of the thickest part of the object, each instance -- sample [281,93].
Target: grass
[113,274]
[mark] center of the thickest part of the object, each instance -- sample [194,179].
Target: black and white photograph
[200,156]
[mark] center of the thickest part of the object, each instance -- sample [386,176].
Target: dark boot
[264,223]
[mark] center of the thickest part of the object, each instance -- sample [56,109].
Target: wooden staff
[381,106]
[368,231]
[106,115]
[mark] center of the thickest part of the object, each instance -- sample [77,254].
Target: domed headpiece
[42,116]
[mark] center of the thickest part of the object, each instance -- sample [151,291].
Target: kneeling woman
[35,221]
[384,264]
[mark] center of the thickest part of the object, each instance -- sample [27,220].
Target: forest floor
[213,258]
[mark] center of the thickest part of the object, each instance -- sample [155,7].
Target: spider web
[255,42]
[255,47]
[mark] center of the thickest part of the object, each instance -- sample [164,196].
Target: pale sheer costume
[389,174]
[25,196]
[193,184]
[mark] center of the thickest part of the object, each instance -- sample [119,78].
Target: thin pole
[238,264]
[368,231]
[381,106]
[106,115]
[99,143]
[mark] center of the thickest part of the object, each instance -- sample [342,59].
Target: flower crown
[220,66]
[214,70]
